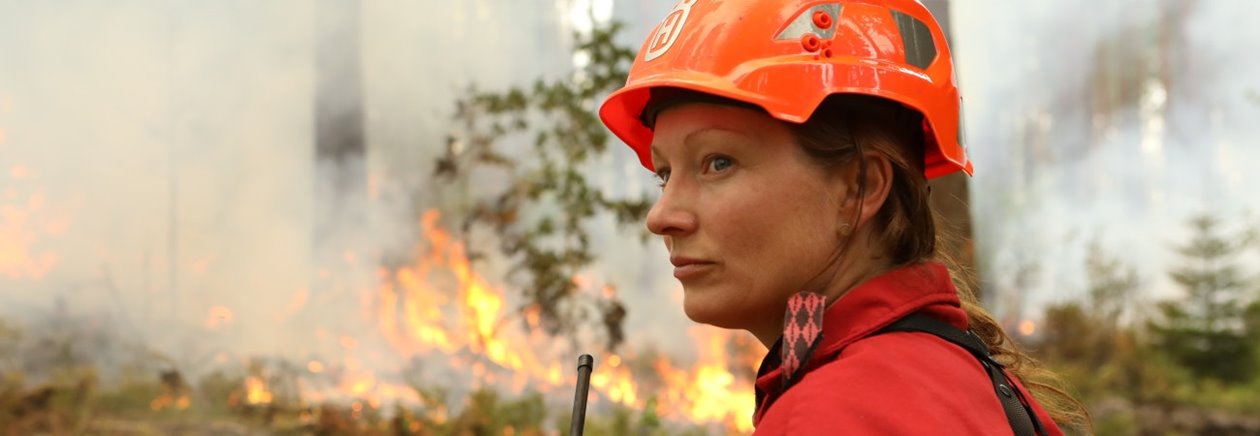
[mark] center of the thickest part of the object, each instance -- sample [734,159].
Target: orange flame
[709,392]
[166,400]
[411,318]
[256,391]
[219,316]
[417,315]
[19,232]
[1027,327]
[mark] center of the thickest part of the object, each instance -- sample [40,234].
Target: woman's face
[747,217]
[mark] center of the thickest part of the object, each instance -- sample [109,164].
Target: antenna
[585,364]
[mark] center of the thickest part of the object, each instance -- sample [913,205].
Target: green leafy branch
[535,146]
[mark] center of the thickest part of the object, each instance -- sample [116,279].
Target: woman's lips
[688,268]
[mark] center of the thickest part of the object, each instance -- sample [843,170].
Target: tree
[1090,332]
[1206,332]
[1251,314]
[1112,285]
[541,211]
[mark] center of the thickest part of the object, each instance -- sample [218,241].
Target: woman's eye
[720,163]
[662,177]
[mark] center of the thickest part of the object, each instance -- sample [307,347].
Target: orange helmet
[787,56]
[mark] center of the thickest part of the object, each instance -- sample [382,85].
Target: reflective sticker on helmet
[667,32]
[917,40]
[806,23]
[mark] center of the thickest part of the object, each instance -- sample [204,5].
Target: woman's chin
[706,309]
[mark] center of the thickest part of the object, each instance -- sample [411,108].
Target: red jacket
[891,383]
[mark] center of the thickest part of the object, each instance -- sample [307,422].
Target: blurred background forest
[345,217]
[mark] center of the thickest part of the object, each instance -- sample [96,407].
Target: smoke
[172,141]
[171,146]
[158,158]
[1113,122]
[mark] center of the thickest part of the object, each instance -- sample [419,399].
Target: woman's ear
[868,181]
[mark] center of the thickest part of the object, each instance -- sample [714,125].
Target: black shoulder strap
[1023,421]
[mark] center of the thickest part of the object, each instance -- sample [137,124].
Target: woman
[793,141]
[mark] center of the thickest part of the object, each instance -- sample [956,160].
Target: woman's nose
[671,215]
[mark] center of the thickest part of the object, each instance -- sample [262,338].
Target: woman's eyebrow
[690,137]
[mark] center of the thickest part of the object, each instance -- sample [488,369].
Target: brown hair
[840,130]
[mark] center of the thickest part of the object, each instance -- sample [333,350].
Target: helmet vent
[917,39]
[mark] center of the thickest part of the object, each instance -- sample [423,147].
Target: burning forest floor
[425,346]
[263,398]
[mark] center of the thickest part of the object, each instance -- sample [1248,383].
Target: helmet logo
[667,32]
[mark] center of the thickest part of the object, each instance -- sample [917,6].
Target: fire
[410,308]
[357,384]
[469,319]
[617,383]
[256,391]
[709,392]
[21,211]
[166,400]
[218,316]
[1027,327]
[441,305]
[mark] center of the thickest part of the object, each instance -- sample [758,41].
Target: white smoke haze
[174,140]
[157,162]
[1054,173]
[163,153]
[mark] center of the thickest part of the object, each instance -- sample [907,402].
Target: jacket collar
[868,307]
